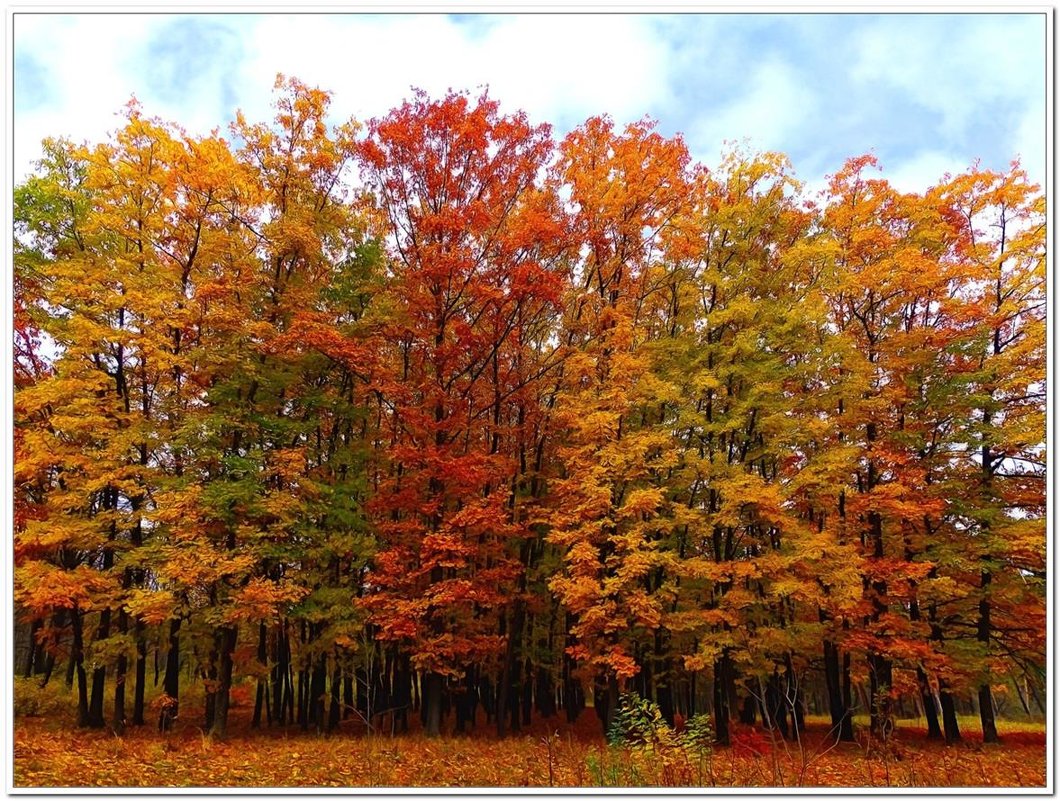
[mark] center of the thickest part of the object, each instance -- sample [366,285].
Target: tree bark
[226,648]
[259,696]
[951,730]
[432,703]
[141,674]
[986,700]
[77,659]
[722,671]
[171,682]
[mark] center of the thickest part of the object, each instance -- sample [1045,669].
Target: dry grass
[51,754]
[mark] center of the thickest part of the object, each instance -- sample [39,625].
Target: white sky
[927,93]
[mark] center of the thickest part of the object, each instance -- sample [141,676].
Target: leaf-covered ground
[49,754]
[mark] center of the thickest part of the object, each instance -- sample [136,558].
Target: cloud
[919,90]
[35,83]
[957,66]
[198,69]
[974,84]
[1029,145]
[923,169]
[193,57]
[773,110]
[179,68]
[557,69]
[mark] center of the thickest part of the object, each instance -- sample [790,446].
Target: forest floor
[50,752]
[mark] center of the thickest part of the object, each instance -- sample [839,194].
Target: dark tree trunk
[663,677]
[335,707]
[432,703]
[171,682]
[210,710]
[279,673]
[510,687]
[226,649]
[303,679]
[363,690]
[879,691]
[794,700]
[70,673]
[528,691]
[318,691]
[846,732]
[950,728]
[263,658]
[99,677]
[986,714]
[986,700]
[462,702]
[488,698]
[545,697]
[927,700]
[288,688]
[748,711]
[934,732]
[303,698]
[722,680]
[141,674]
[347,694]
[402,690]
[573,695]
[777,705]
[77,659]
[610,695]
[119,679]
[49,666]
[31,653]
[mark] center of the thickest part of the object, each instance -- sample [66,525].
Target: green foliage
[33,700]
[639,723]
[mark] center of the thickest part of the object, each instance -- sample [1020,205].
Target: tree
[628,189]
[469,236]
[1000,217]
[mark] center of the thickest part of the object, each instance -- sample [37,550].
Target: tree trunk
[545,696]
[31,653]
[986,700]
[609,697]
[775,703]
[846,732]
[263,656]
[749,710]
[838,704]
[171,682]
[509,689]
[119,679]
[934,732]
[99,676]
[77,659]
[722,670]
[226,647]
[335,707]
[950,728]
[318,691]
[432,703]
[347,694]
[279,673]
[141,674]
[880,680]
[402,690]
[663,678]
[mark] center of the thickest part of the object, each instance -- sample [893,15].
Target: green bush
[32,700]
[639,722]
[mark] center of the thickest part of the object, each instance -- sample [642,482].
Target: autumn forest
[442,425]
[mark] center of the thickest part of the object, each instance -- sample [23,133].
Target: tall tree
[467,232]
